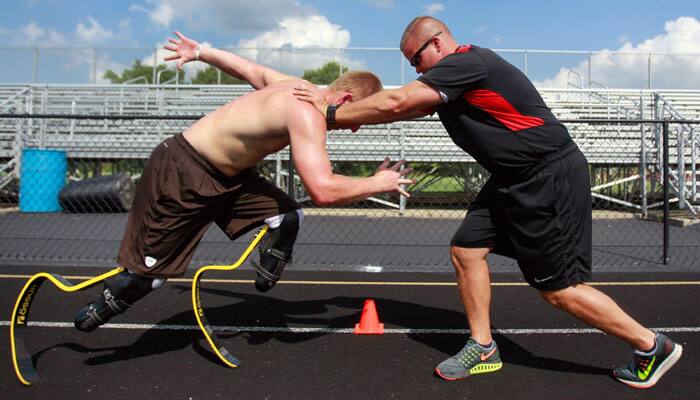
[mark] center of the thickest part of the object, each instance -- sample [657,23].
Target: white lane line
[380,283]
[285,329]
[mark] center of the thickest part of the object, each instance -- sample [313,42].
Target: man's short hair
[360,83]
[422,23]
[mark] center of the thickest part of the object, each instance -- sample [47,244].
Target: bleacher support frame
[630,137]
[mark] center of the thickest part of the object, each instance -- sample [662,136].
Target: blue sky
[659,26]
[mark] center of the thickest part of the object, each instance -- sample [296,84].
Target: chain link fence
[547,68]
[45,218]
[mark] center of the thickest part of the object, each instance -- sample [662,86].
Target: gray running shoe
[472,359]
[646,369]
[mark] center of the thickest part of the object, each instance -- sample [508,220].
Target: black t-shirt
[492,111]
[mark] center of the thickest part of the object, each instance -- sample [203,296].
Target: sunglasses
[415,60]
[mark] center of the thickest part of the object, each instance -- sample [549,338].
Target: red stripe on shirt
[463,48]
[495,105]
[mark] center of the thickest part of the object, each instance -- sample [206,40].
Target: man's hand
[392,177]
[185,49]
[310,93]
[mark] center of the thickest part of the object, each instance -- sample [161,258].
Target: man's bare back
[241,133]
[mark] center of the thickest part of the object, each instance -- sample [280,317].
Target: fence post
[290,176]
[666,183]
[94,65]
[278,169]
[35,66]
[680,166]
[657,144]
[649,72]
[155,65]
[29,108]
[402,155]
[590,67]
[526,66]
[643,159]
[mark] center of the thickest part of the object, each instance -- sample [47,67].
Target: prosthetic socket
[118,294]
[276,248]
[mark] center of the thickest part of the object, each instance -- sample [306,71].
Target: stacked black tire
[102,194]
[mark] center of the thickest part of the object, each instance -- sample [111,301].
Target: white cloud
[163,14]
[294,35]
[91,34]
[35,35]
[274,23]
[312,31]
[94,34]
[32,31]
[433,8]
[139,8]
[55,39]
[225,16]
[630,70]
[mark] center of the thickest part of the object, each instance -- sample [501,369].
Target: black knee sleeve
[118,294]
[276,251]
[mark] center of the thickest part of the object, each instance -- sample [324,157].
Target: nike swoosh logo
[544,280]
[643,375]
[486,356]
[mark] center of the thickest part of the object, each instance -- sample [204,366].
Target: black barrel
[102,194]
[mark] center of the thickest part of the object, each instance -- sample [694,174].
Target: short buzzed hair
[420,22]
[359,83]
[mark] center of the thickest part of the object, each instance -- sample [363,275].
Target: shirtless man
[207,174]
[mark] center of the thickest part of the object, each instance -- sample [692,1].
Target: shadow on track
[335,312]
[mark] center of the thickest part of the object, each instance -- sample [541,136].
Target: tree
[139,70]
[325,74]
[209,76]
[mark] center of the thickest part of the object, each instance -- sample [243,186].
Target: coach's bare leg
[597,309]
[475,289]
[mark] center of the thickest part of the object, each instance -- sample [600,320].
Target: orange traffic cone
[369,321]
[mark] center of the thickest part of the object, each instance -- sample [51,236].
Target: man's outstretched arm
[187,50]
[307,133]
[413,100]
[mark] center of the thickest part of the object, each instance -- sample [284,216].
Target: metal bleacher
[604,143]
[422,140]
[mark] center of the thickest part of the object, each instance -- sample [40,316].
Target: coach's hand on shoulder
[185,49]
[392,177]
[310,93]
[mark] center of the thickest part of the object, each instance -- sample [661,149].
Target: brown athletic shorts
[179,195]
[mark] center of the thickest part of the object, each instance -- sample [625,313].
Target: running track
[295,342]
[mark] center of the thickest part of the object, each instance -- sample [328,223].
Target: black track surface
[177,364]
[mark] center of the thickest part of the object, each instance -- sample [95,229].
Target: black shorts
[543,220]
[178,197]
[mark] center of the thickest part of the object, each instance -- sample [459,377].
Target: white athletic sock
[276,221]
